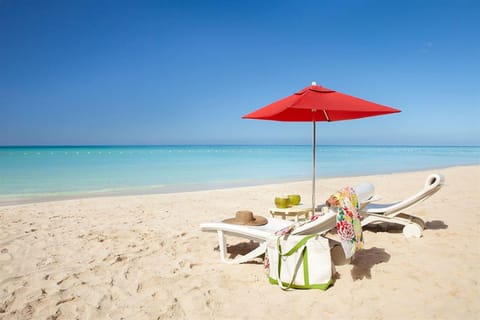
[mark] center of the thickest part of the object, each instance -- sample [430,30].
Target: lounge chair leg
[414,229]
[249,256]
[338,256]
[222,246]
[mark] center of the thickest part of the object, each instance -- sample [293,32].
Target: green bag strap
[296,247]
[302,257]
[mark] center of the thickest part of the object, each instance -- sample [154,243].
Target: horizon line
[227,144]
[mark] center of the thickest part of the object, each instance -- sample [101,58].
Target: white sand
[144,257]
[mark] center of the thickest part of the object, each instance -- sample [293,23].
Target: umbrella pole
[313,166]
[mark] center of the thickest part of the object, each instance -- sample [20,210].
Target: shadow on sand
[383,227]
[435,225]
[398,228]
[242,249]
[364,260]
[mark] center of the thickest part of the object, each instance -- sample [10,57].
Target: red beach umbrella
[315,103]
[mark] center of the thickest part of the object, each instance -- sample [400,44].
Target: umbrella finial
[314,83]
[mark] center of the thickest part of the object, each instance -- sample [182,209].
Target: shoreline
[144,257]
[46,174]
[155,190]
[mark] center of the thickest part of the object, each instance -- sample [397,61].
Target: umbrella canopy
[316,103]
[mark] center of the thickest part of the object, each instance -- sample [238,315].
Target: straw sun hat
[246,218]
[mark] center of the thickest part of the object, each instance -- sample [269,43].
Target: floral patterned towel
[349,227]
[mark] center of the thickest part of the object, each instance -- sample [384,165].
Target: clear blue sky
[184,72]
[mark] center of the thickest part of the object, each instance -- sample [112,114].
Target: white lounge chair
[371,213]
[393,213]
[261,234]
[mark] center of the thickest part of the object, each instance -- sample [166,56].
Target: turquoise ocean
[36,173]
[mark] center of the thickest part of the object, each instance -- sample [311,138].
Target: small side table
[295,211]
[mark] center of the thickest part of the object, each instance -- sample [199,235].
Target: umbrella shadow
[365,260]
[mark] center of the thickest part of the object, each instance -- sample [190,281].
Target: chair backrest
[321,224]
[327,221]
[365,192]
[433,183]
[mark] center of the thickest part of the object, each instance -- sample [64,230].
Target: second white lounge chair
[393,213]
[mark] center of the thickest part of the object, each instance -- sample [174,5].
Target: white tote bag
[299,262]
